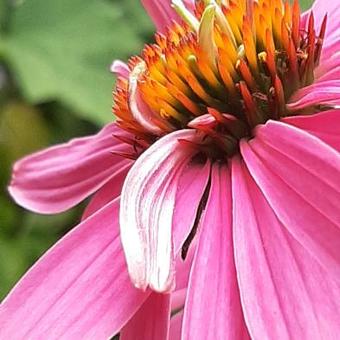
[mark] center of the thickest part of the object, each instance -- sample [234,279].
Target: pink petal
[80,289]
[183,267]
[151,322]
[160,12]
[320,93]
[120,69]
[178,299]
[214,311]
[55,179]
[110,191]
[148,201]
[285,293]
[324,125]
[329,70]
[152,319]
[176,326]
[191,187]
[330,49]
[299,175]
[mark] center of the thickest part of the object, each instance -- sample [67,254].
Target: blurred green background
[55,84]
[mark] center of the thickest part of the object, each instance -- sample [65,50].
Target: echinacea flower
[223,166]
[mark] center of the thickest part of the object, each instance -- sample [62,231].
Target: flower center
[225,69]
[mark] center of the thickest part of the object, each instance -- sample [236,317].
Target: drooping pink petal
[299,175]
[178,299]
[120,68]
[324,125]
[110,191]
[320,93]
[151,322]
[285,293]
[55,179]
[191,187]
[213,309]
[80,289]
[160,12]
[183,266]
[148,202]
[176,326]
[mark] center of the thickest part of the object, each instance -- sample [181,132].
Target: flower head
[229,69]
[224,170]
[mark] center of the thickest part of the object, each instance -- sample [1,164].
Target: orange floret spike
[250,11]
[261,31]
[266,12]
[285,35]
[228,48]
[288,13]
[226,77]
[279,98]
[224,25]
[320,39]
[278,19]
[189,104]
[292,78]
[309,72]
[279,5]
[249,104]
[249,46]
[296,23]
[246,74]
[234,16]
[203,66]
[270,60]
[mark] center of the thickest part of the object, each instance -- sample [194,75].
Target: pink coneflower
[220,177]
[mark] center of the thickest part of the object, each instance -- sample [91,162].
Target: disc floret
[231,66]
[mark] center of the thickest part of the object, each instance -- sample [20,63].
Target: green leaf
[62,50]
[12,267]
[305,4]
[5,7]
[22,131]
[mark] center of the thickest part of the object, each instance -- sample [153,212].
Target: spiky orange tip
[243,62]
